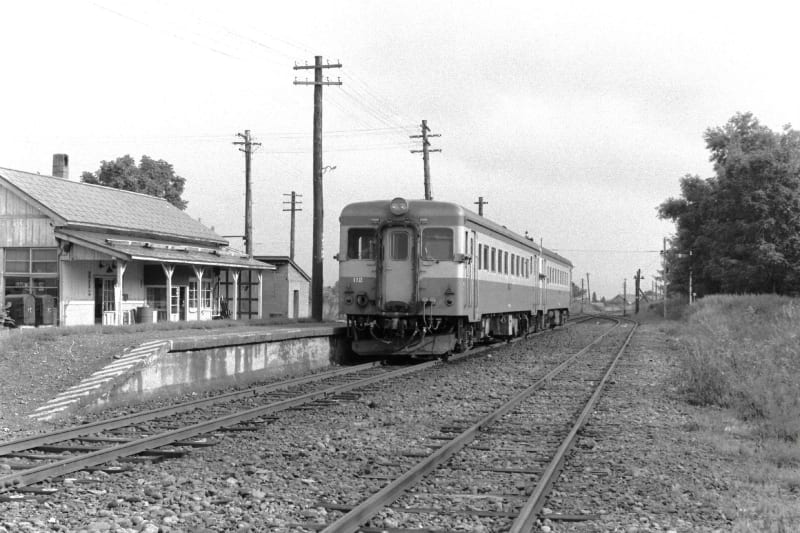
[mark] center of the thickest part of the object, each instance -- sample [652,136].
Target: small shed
[286,289]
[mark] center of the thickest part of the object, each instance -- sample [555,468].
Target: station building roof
[95,207]
[161,251]
[123,224]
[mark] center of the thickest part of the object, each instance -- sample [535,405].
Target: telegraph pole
[664,266]
[691,293]
[293,203]
[248,192]
[316,264]
[480,203]
[638,279]
[624,296]
[588,288]
[425,151]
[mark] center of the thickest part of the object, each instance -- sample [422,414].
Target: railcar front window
[361,243]
[399,246]
[437,243]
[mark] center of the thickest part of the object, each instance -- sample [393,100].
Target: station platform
[202,361]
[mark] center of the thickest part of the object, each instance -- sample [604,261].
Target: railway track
[520,444]
[108,445]
[43,457]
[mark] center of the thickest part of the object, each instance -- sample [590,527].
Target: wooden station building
[72,253]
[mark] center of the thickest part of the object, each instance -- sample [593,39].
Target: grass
[743,353]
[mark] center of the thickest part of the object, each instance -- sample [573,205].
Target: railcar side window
[437,243]
[361,243]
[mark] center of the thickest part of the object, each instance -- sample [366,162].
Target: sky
[573,121]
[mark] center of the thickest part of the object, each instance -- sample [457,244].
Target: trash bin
[23,309]
[144,315]
[46,310]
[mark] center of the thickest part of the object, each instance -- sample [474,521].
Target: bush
[743,352]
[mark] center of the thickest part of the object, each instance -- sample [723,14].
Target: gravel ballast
[648,462]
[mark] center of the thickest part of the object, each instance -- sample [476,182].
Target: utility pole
[638,279]
[664,266]
[588,288]
[582,295]
[480,203]
[316,260]
[293,203]
[248,190]
[425,151]
[624,296]
[691,294]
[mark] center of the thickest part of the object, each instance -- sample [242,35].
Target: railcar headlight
[398,206]
[361,299]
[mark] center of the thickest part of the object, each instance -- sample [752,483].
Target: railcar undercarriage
[427,336]
[436,336]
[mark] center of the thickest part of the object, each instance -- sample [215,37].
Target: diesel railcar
[425,278]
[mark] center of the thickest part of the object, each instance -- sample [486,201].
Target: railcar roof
[435,208]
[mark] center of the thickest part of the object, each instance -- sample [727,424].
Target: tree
[577,292]
[330,298]
[594,297]
[739,231]
[156,178]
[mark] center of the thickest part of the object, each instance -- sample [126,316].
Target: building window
[193,295]
[174,301]
[248,293]
[157,299]
[206,295]
[31,285]
[109,299]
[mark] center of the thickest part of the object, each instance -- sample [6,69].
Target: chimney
[61,166]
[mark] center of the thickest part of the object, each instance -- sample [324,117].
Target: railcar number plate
[358,279]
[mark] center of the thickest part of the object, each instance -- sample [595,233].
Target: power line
[359,97]
[169,32]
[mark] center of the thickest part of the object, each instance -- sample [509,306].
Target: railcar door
[398,269]
[472,277]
